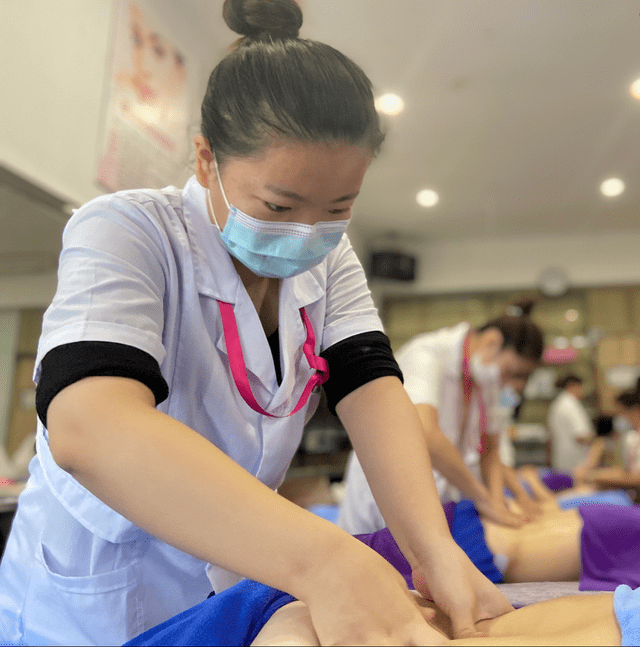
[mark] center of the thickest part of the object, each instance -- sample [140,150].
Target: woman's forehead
[303,169]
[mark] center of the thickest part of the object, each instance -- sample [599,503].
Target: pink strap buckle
[239,368]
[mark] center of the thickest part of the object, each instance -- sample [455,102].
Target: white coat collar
[216,278]
[454,365]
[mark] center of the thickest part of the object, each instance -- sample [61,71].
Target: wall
[54,68]
[9,328]
[515,263]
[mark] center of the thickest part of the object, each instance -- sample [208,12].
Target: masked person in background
[455,377]
[569,425]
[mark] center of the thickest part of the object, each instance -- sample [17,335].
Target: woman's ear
[204,160]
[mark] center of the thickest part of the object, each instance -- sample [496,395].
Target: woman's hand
[532,509]
[495,510]
[449,578]
[360,599]
[579,475]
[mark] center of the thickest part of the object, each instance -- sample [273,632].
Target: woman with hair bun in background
[180,358]
[455,377]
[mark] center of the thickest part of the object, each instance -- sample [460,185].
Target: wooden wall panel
[610,309]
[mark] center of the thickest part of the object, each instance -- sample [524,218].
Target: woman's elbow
[84,418]
[62,436]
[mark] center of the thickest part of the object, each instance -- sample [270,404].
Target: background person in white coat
[454,376]
[175,372]
[569,425]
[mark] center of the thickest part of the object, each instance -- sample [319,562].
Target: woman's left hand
[449,578]
[531,509]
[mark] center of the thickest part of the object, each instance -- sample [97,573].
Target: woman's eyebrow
[294,196]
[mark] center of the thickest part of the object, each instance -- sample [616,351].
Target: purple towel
[610,547]
[384,544]
[555,480]
[449,513]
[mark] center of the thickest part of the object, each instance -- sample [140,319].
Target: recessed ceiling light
[390,104]
[635,89]
[612,187]
[427,198]
[571,315]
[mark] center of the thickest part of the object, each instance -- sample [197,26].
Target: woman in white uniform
[569,424]
[454,376]
[628,475]
[177,366]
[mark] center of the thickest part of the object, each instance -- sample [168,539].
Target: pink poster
[145,135]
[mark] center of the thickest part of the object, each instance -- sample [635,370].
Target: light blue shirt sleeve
[111,278]
[349,306]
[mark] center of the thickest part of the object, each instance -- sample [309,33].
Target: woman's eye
[277,208]
[337,212]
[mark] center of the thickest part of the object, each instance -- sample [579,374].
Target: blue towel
[626,604]
[233,617]
[609,497]
[469,535]
[328,512]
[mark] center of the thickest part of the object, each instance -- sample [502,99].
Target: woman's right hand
[358,598]
[495,510]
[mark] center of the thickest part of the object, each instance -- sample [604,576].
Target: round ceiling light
[427,198]
[635,89]
[612,187]
[390,104]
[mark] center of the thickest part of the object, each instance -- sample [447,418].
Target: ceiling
[515,112]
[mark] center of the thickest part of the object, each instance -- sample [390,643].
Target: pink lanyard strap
[239,367]
[468,387]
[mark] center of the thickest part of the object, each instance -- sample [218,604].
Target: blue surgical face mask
[510,398]
[276,250]
[483,374]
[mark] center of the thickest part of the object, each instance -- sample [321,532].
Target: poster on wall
[146,105]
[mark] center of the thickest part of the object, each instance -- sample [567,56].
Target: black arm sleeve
[69,363]
[355,361]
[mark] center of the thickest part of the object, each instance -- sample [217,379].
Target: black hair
[274,84]
[567,380]
[604,425]
[630,399]
[519,331]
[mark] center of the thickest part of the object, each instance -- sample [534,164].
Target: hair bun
[263,18]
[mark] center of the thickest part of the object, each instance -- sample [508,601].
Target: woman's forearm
[595,454]
[614,478]
[387,434]
[177,486]
[446,458]
[491,467]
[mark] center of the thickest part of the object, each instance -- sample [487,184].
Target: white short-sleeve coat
[146,268]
